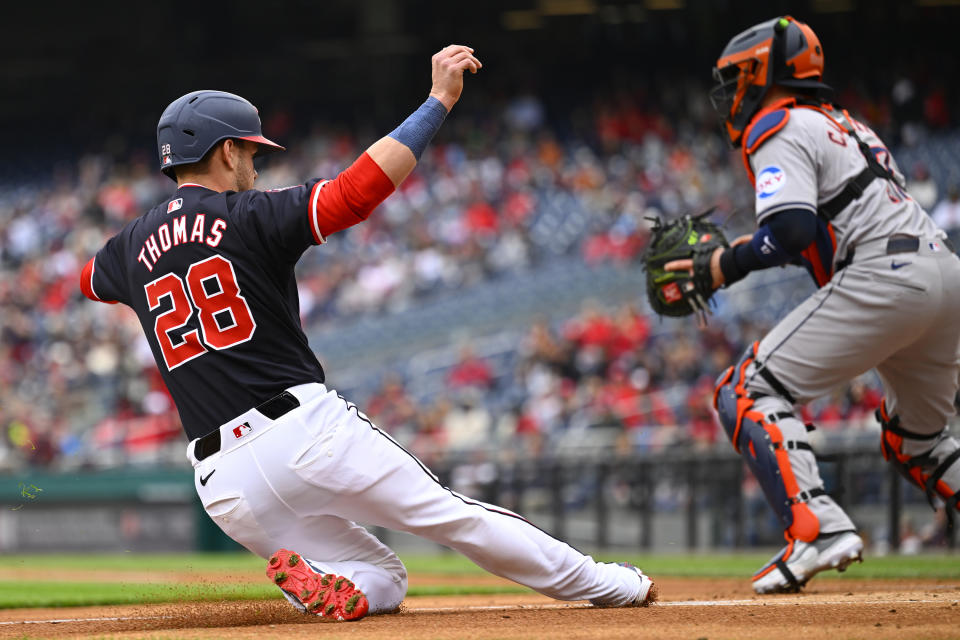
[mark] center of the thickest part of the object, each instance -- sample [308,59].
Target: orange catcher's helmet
[782,51]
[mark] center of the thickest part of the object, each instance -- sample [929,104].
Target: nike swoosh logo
[895,266]
[203,481]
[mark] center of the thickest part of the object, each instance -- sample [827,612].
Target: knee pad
[936,470]
[757,438]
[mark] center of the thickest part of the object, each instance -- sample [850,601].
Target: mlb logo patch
[167,160]
[242,430]
[174,205]
[934,246]
[671,293]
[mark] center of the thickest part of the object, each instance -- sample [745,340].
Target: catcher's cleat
[329,596]
[799,561]
[648,590]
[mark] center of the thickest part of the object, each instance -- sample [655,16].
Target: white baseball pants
[304,480]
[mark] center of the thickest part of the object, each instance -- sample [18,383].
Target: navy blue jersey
[211,278]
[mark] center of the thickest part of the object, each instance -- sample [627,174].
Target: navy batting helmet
[193,123]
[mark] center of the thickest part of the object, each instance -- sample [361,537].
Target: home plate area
[690,608]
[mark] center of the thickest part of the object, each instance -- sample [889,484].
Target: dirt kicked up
[690,608]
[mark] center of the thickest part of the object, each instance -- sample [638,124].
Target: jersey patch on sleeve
[770,180]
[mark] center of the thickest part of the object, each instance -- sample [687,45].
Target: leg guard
[931,462]
[757,437]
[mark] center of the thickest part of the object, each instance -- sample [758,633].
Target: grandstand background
[491,314]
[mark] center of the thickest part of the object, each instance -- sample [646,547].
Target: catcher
[829,195]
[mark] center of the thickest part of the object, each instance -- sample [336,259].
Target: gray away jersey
[811,160]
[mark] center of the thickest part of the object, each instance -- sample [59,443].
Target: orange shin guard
[761,443]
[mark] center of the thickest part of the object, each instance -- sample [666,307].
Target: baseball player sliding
[830,196]
[281,461]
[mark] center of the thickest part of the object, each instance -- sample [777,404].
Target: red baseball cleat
[329,596]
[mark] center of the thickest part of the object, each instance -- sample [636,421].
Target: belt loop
[902,244]
[279,405]
[273,409]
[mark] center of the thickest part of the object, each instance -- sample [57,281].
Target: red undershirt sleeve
[86,282]
[348,199]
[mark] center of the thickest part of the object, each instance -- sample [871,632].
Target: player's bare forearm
[393,157]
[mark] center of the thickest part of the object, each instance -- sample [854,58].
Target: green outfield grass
[20,594]
[670,564]
[70,592]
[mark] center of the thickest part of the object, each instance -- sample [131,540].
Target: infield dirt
[691,608]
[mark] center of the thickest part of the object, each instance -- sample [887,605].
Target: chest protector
[818,257]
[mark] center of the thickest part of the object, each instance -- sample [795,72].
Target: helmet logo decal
[769,181]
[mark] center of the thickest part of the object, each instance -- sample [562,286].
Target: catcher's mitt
[677,293]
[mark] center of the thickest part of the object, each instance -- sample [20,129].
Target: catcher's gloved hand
[679,292]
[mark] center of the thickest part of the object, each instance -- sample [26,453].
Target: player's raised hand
[448,66]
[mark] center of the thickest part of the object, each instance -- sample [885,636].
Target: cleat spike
[351,603]
[329,596]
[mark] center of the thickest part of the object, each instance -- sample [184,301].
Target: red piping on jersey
[86,282]
[193,184]
[347,199]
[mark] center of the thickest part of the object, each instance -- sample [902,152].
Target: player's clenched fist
[448,66]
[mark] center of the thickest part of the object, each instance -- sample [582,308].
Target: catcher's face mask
[779,51]
[725,90]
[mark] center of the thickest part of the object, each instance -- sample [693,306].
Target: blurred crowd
[606,378]
[495,196]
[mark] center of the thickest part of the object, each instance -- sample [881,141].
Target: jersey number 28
[225,318]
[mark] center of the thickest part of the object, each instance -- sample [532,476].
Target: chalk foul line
[579,605]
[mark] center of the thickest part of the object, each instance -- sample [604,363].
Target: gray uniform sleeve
[786,174]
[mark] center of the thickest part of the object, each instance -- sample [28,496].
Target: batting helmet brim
[266,145]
